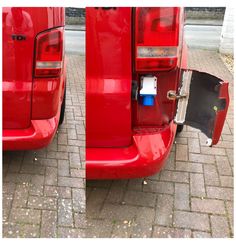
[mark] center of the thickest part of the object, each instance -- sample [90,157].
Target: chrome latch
[172,95]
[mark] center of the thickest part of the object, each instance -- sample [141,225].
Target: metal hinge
[183,98]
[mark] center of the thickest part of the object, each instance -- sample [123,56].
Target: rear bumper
[38,135]
[145,157]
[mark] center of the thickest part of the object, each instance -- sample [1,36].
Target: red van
[34,76]
[140,92]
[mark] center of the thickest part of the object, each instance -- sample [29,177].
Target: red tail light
[49,53]
[156,38]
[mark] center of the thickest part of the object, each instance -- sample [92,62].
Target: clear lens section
[49,64]
[156,52]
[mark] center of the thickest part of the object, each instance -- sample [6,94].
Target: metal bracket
[148,85]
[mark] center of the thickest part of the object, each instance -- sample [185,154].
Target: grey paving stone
[170,232]
[181,199]
[164,210]
[197,185]
[219,226]
[191,220]
[207,206]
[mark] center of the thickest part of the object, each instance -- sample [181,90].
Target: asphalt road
[203,36]
[75,42]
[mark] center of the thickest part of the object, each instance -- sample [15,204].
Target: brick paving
[191,197]
[46,198]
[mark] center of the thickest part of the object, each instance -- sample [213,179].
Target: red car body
[129,135]
[34,75]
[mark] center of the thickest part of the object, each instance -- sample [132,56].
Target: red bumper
[145,157]
[39,135]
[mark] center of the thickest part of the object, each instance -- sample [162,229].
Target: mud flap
[203,103]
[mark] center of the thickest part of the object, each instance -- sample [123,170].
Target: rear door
[203,102]
[108,77]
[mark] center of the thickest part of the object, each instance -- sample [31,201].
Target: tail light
[49,53]
[156,38]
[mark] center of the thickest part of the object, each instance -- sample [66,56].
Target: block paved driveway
[46,198]
[191,197]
